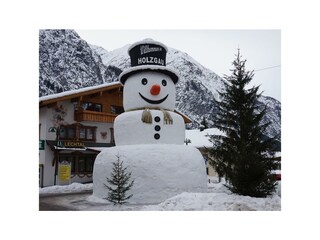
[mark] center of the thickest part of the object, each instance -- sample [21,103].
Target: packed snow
[218,198]
[159,171]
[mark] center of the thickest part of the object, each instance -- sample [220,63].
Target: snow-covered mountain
[273,114]
[68,62]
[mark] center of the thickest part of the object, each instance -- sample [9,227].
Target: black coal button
[157,119]
[157,128]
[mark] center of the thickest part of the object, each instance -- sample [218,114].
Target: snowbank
[72,188]
[218,198]
[217,202]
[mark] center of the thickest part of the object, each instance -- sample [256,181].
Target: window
[81,164]
[82,133]
[73,164]
[77,132]
[67,132]
[89,164]
[63,132]
[71,132]
[116,109]
[89,133]
[97,107]
[112,135]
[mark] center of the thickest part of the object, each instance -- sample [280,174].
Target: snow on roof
[277,154]
[100,149]
[70,149]
[71,92]
[200,139]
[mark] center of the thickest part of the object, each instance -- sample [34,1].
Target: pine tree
[119,183]
[242,154]
[203,124]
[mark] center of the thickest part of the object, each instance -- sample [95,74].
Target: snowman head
[148,83]
[149,89]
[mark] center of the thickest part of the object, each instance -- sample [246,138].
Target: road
[43,206]
[61,202]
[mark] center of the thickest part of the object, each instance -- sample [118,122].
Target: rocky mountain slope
[68,62]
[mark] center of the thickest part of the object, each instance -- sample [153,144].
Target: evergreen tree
[203,124]
[119,183]
[241,153]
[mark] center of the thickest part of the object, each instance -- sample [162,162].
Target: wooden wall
[106,98]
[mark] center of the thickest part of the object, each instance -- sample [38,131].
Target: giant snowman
[149,135]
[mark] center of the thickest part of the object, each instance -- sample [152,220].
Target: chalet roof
[45,100]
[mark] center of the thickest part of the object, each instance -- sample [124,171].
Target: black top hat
[148,55]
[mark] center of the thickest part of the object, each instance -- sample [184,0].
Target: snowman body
[129,129]
[149,135]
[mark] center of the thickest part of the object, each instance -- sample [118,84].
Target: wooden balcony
[92,116]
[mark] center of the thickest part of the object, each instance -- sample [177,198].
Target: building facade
[74,126]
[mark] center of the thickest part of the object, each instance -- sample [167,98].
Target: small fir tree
[203,124]
[242,154]
[119,183]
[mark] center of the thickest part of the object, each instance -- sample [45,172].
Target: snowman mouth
[153,101]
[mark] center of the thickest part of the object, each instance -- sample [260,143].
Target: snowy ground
[218,198]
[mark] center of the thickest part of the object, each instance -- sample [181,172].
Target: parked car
[277,174]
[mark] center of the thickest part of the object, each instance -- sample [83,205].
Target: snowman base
[159,171]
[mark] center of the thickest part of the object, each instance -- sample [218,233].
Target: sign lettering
[73,144]
[64,172]
[146,49]
[152,60]
[41,144]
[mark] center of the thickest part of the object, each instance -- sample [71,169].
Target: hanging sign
[71,144]
[64,172]
[41,144]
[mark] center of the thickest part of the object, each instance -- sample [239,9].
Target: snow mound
[216,202]
[160,171]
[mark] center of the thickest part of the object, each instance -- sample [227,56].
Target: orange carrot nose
[155,89]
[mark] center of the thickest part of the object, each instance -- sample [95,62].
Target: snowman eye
[144,81]
[164,82]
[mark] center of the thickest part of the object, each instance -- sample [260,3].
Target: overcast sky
[214,49]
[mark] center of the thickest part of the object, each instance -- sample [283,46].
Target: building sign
[41,144]
[72,144]
[40,175]
[64,172]
[148,54]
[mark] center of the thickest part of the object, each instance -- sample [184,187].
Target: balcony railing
[92,116]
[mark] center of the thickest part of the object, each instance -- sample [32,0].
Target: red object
[155,89]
